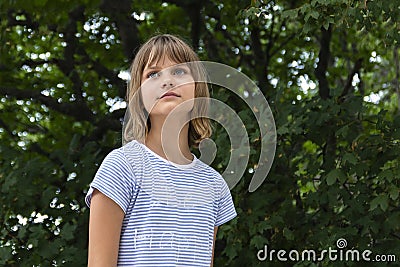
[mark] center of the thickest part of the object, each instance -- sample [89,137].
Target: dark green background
[336,170]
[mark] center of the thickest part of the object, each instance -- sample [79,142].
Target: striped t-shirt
[170,210]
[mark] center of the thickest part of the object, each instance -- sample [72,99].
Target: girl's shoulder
[223,181]
[206,168]
[211,173]
[133,153]
[124,156]
[131,147]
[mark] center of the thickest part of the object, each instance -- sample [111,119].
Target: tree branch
[271,37]
[67,64]
[260,58]
[103,71]
[397,78]
[348,85]
[282,44]
[193,8]
[7,129]
[110,122]
[323,56]
[119,12]
[28,22]
[77,110]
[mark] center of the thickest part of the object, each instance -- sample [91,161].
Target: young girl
[152,202]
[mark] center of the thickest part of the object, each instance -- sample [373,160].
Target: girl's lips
[169,94]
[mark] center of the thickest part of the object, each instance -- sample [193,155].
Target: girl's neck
[170,140]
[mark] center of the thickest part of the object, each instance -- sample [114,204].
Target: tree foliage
[329,68]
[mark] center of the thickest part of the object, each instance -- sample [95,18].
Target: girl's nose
[168,83]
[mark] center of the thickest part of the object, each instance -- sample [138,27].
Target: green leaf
[22,232]
[314,14]
[231,251]
[314,2]
[49,250]
[282,130]
[326,25]
[40,3]
[68,230]
[263,226]
[74,144]
[10,181]
[381,200]
[288,234]
[394,193]
[308,26]
[350,158]
[387,175]
[305,8]
[258,241]
[335,175]
[291,13]
[5,254]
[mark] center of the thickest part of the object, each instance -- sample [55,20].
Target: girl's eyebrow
[153,67]
[159,67]
[156,67]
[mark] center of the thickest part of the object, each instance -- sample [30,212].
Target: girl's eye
[180,71]
[153,74]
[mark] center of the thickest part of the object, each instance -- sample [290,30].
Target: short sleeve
[115,179]
[226,209]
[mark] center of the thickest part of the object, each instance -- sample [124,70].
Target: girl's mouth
[169,94]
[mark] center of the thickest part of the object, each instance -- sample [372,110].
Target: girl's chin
[168,112]
[166,108]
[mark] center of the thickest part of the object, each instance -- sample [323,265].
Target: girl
[152,202]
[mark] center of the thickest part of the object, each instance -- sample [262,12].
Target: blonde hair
[157,47]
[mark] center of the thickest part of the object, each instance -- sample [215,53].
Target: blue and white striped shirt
[170,210]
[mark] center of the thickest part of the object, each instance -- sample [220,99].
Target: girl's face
[165,85]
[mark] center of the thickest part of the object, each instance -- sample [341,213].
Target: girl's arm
[215,235]
[104,231]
